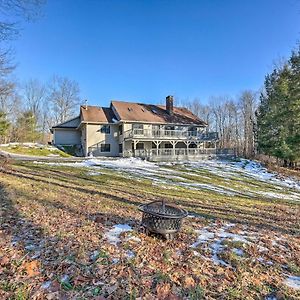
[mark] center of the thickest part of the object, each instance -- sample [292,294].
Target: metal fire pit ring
[161,218]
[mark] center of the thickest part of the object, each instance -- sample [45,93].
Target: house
[126,129]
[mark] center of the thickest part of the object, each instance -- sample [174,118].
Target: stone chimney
[169,105]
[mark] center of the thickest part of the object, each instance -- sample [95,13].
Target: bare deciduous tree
[233,119]
[34,96]
[63,98]
[248,103]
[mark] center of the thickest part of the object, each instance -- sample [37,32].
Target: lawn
[72,231]
[34,150]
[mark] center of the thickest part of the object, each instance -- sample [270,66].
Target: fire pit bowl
[162,218]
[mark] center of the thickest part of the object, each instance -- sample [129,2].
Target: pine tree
[4,126]
[26,128]
[278,115]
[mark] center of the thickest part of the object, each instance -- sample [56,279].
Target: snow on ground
[293,282]
[213,237]
[196,176]
[29,145]
[113,235]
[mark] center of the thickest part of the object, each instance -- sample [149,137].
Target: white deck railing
[177,152]
[169,134]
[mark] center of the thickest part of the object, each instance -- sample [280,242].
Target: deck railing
[178,152]
[170,134]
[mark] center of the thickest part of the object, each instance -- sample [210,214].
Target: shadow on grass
[57,255]
[275,220]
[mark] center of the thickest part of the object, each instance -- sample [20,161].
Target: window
[140,146]
[120,148]
[138,126]
[105,129]
[168,146]
[105,147]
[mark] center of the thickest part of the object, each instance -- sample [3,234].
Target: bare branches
[34,95]
[233,119]
[63,98]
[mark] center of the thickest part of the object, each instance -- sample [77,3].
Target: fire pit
[162,218]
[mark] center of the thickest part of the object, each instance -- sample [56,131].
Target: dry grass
[53,246]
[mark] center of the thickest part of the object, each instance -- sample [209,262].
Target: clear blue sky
[144,50]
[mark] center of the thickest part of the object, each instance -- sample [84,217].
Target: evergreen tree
[278,116]
[4,126]
[26,128]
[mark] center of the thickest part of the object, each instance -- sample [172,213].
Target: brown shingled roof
[96,114]
[139,112]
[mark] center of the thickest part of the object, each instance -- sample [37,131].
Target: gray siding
[67,137]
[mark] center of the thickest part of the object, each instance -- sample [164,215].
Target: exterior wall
[66,137]
[95,138]
[83,139]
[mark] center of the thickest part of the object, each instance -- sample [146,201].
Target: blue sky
[144,50]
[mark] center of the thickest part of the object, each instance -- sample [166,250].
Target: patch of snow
[115,260]
[281,196]
[238,252]
[293,282]
[203,237]
[196,253]
[271,298]
[214,239]
[130,254]
[133,238]
[46,285]
[216,248]
[93,173]
[65,279]
[162,175]
[30,247]
[113,235]
[94,255]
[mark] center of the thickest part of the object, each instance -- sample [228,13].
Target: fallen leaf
[189,282]
[32,268]
[163,290]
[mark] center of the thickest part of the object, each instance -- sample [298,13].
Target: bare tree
[248,106]
[34,96]
[13,12]
[63,98]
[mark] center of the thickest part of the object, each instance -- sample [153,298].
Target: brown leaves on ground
[32,268]
[53,246]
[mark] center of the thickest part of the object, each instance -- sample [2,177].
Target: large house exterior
[127,129]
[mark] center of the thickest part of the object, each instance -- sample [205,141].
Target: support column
[157,143]
[134,146]
[173,143]
[187,146]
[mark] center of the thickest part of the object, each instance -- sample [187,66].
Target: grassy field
[72,231]
[34,151]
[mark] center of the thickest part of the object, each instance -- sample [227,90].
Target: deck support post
[173,143]
[157,143]
[187,146]
[134,146]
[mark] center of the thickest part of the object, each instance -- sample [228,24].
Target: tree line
[28,110]
[233,118]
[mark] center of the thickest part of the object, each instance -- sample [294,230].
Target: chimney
[169,105]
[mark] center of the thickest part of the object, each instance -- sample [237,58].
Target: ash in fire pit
[162,218]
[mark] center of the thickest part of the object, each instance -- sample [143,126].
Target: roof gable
[71,123]
[95,114]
